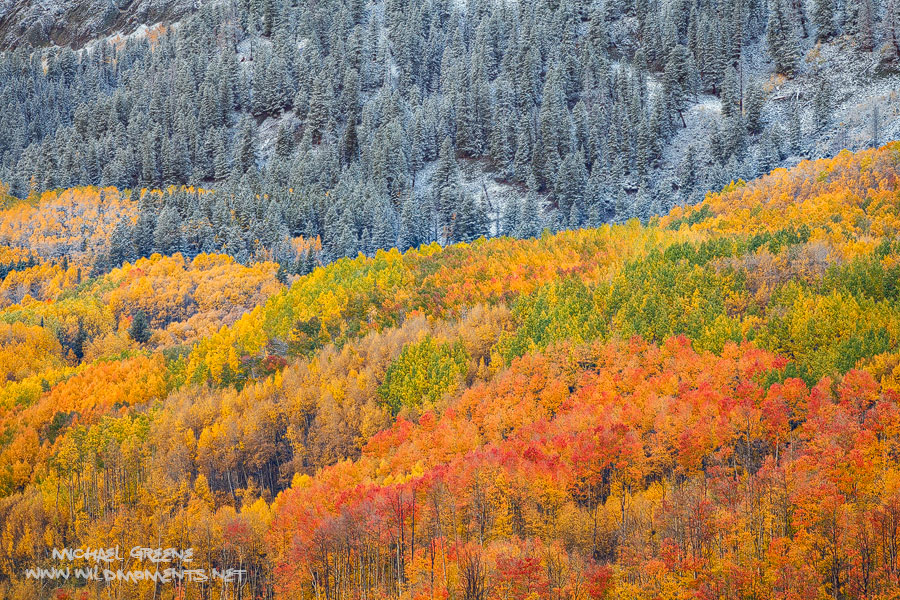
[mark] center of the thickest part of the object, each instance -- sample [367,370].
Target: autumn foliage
[705,406]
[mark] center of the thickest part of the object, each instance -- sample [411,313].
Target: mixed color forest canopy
[452,299]
[397,123]
[703,406]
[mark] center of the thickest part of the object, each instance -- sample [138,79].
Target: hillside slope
[702,407]
[374,125]
[25,23]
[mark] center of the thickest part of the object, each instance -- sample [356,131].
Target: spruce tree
[823,18]
[530,219]
[594,198]
[320,118]
[410,233]
[890,29]
[145,227]
[121,244]
[768,155]
[686,172]
[753,107]
[509,217]
[167,236]
[524,150]
[679,80]
[821,103]
[445,184]
[571,182]
[555,129]
[139,330]
[470,219]
[860,22]
[346,243]
[780,38]
[383,234]
[235,245]
[245,148]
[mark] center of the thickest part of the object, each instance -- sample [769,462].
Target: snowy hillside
[370,125]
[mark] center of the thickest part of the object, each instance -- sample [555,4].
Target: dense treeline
[347,121]
[705,405]
[639,471]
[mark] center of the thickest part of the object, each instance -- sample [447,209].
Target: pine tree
[576,217]
[149,158]
[121,244]
[717,148]
[730,95]
[823,18]
[595,216]
[753,107]
[595,198]
[571,182]
[687,172]
[890,27]
[598,34]
[780,38]
[860,23]
[349,143]
[582,124]
[167,236]
[275,88]
[146,224]
[284,142]
[768,155]
[221,166]
[206,237]
[509,217]
[346,244]
[621,208]
[503,134]
[530,219]
[245,148]
[320,118]
[555,129]
[383,234]
[235,245]
[524,150]
[680,79]
[139,330]
[410,233]
[470,219]
[821,103]
[445,184]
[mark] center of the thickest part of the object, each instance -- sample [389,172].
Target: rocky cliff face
[76,22]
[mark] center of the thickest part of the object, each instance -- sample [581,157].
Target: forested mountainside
[705,406]
[372,125]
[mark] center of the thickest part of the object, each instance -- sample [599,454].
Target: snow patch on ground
[267,132]
[249,47]
[478,181]
[143,31]
[857,89]
[699,118]
[494,195]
